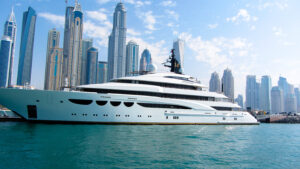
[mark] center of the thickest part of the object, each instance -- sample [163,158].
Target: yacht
[153,98]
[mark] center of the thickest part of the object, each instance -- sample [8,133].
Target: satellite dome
[152,68]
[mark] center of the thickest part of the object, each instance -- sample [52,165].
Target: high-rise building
[215,83]
[145,62]
[265,94]
[91,65]
[102,72]
[228,84]
[66,45]
[297,95]
[132,58]
[179,53]
[10,30]
[5,53]
[86,44]
[277,100]
[252,93]
[26,47]
[75,47]
[53,80]
[240,101]
[291,103]
[54,61]
[117,44]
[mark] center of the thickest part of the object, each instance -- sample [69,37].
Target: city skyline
[196,67]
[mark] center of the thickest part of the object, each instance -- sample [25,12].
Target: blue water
[26,145]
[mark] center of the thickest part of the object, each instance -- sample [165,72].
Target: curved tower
[145,61]
[26,47]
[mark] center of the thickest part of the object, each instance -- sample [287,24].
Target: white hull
[54,106]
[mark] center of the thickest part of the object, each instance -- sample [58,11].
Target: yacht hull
[57,107]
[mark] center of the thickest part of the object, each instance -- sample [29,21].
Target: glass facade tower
[26,47]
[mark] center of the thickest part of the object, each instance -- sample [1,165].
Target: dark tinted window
[81,101]
[168,106]
[101,102]
[223,108]
[128,104]
[114,103]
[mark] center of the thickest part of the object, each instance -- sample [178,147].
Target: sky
[250,37]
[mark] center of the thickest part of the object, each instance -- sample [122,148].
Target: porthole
[128,104]
[115,103]
[235,118]
[101,102]
[224,118]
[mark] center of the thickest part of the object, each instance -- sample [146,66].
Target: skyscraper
[291,103]
[145,61]
[86,44]
[240,101]
[5,53]
[265,94]
[252,93]
[297,95]
[277,100]
[75,47]
[54,61]
[53,80]
[102,72]
[132,58]
[26,47]
[214,83]
[117,43]
[91,65]
[10,30]
[179,53]
[66,45]
[228,84]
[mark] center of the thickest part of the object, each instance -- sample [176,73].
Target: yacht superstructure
[155,98]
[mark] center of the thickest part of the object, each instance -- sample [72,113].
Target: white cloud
[242,15]
[279,4]
[252,27]
[55,19]
[172,14]
[217,51]
[98,32]
[168,3]
[149,20]
[96,15]
[133,32]
[278,32]
[213,26]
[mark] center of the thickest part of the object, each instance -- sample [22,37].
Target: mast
[172,63]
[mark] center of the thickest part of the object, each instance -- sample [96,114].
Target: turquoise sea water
[27,145]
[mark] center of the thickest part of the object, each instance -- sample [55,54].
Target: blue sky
[259,37]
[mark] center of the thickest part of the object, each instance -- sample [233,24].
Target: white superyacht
[154,98]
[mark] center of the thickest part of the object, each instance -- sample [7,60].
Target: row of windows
[128,104]
[106,115]
[169,85]
[143,93]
